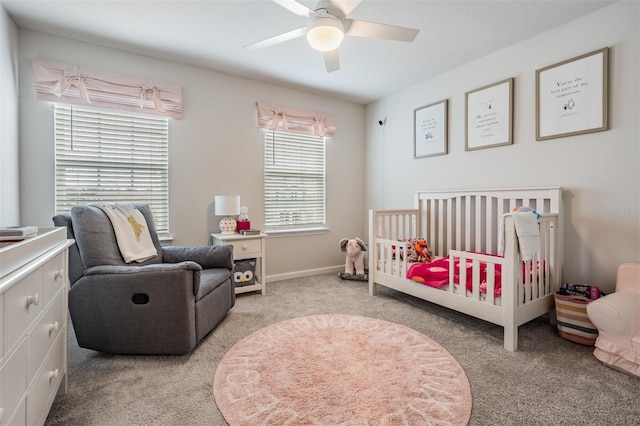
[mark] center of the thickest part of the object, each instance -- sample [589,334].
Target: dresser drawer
[23,302]
[46,385]
[13,382]
[53,277]
[246,247]
[2,321]
[44,334]
[19,417]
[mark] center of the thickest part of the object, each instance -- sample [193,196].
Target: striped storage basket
[573,322]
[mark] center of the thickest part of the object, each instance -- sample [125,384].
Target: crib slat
[489,233]
[491,285]
[467,231]
[547,258]
[478,225]
[452,271]
[458,223]
[538,279]
[432,227]
[462,277]
[441,229]
[450,229]
[526,282]
[475,278]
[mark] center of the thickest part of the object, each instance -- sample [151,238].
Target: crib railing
[478,261]
[534,279]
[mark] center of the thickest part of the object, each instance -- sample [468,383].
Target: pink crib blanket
[436,274]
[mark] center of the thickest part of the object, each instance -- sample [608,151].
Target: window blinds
[294,181]
[107,156]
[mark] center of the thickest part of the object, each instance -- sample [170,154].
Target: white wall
[215,149]
[9,195]
[600,172]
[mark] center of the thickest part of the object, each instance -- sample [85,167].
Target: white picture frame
[430,124]
[572,96]
[489,116]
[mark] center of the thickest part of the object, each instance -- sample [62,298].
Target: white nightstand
[246,247]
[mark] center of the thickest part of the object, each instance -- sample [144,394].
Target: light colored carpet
[548,381]
[339,370]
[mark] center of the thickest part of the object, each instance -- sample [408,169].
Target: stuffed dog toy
[355,261]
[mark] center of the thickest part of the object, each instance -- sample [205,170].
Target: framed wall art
[572,96]
[489,116]
[430,130]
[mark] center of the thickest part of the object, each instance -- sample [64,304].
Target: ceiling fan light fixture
[325,34]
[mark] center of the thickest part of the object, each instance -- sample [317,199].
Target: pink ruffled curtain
[73,84]
[274,117]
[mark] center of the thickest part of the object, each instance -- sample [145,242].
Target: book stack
[250,232]
[18,231]
[588,291]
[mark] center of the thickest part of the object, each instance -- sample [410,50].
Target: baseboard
[304,273]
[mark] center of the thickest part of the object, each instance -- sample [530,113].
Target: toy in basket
[571,311]
[355,263]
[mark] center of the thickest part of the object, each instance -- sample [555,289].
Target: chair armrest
[146,275]
[158,267]
[206,256]
[616,314]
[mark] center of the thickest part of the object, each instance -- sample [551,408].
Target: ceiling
[211,34]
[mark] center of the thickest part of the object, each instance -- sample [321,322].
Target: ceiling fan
[328,25]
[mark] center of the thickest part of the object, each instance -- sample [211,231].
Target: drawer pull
[53,375]
[244,247]
[32,300]
[54,327]
[58,274]
[1,414]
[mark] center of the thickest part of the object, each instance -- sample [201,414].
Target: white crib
[464,225]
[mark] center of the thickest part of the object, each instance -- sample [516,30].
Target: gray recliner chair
[165,305]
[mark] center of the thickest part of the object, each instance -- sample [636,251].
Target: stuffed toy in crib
[354,267]
[418,251]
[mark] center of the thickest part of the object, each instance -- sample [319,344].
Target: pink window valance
[73,84]
[274,117]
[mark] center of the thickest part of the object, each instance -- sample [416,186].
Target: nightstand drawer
[246,247]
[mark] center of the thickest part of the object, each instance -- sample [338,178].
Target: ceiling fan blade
[295,7]
[299,32]
[376,30]
[345,6]
[331,60]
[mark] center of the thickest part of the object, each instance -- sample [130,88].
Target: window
[294,181]
[109,156]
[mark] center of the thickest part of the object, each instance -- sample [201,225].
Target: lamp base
[228,226]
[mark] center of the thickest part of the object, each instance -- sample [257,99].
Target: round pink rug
[340,369]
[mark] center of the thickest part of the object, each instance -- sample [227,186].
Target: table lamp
[227,205]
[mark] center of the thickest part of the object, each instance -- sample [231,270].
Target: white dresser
[33,325]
